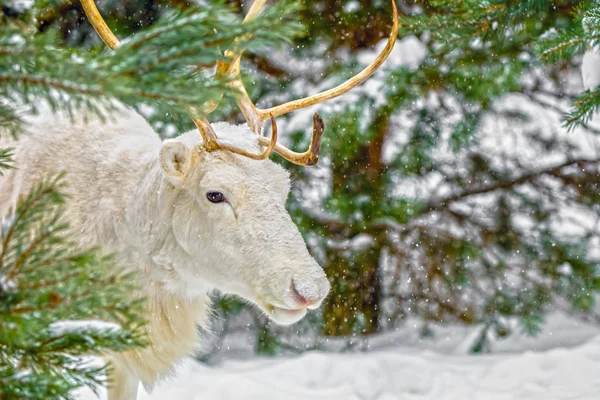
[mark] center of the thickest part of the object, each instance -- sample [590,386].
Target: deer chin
[284,316]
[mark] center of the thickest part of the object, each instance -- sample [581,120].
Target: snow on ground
[561,363]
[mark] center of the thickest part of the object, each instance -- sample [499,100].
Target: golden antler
[255,117]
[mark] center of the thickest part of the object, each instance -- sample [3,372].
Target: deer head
[229,199]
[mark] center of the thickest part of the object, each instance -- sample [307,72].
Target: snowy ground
[562,363]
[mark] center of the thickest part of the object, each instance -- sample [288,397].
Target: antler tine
[342,88]
[90,9]
[254,10]
[211,143]
[231,69]
[256,116]
[309,157]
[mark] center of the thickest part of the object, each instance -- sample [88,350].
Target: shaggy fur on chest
[172,332]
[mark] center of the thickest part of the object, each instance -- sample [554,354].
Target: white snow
[351,6]
[562,363]
[408,52]
[68,326]
[7,285]
[21,5]
[590,68]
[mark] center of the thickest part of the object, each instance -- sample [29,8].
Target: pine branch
[505,184]
[10,121]
[561,46]
[586,106]
[43,280]
[6,159]
[30,209]
[155,66]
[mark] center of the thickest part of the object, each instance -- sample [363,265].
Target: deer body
[145,200]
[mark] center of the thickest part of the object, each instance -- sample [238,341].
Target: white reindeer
[189,215]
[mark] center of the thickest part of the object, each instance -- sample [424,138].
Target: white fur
[145,200]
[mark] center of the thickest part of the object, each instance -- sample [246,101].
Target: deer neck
[147,233]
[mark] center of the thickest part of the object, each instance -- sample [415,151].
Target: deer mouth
[293,305]
[282,315]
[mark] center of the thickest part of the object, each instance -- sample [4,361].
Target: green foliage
[564,44]
[267,343]
[154,66]
[230,306]
[584,108]
[5,159]
[44,280]
[482,343]
[463,133]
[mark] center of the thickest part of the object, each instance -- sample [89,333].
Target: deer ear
[176,160]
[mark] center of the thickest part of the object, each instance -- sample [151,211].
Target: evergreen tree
[46,286]
[563,45]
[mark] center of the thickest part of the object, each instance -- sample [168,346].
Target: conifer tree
[48,293]
[563,45]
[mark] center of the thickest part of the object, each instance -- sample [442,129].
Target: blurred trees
[459,197]
[448,189]
[476,211]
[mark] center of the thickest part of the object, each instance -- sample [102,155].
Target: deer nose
[310,294]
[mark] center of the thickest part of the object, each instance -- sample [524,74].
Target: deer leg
[122,385]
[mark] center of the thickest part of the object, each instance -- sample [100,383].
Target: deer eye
[216,197]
